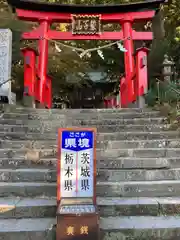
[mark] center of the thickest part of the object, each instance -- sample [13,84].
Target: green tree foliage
[172,18]
[170,45]
[172,27]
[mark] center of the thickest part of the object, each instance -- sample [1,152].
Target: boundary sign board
[76,168]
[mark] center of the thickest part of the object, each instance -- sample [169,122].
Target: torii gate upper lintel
[46,14]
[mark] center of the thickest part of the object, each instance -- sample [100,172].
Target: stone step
[45,144]
[16,207]
[141,152]
[136,121]
[141,228]
[123,128]
[10,108]
[141,206]
[102,163]
[100,136]
[156,143]
[27,189]
[79,116]
[135,163]
[38,154]
[28,175]
[137,175]
[21,229]
[165,188]
[112,175]
[135,227]
[46,122]
[51,128]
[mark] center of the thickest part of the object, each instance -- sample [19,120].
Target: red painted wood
[66,17]
[48,92]
[36,34]
[69,36]
[43,60]
[129,61]
[141,72]
[29,71]
[123,90]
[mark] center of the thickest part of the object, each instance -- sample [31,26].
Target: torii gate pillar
[43,61]
[128,61]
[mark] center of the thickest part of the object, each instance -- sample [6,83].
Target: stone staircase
[138,161]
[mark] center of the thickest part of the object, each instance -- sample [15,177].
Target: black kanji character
[85,158]
[85,171]
[84,184]
[68,185]
[69,172]
[69,158]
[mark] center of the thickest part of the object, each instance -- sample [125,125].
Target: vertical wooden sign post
[77,214]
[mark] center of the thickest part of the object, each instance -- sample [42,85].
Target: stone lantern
[167,71]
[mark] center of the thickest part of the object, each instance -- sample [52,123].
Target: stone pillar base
[39,105]
[28,101]
[132,105]
[139,103]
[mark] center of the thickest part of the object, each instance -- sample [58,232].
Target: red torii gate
[124,14]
